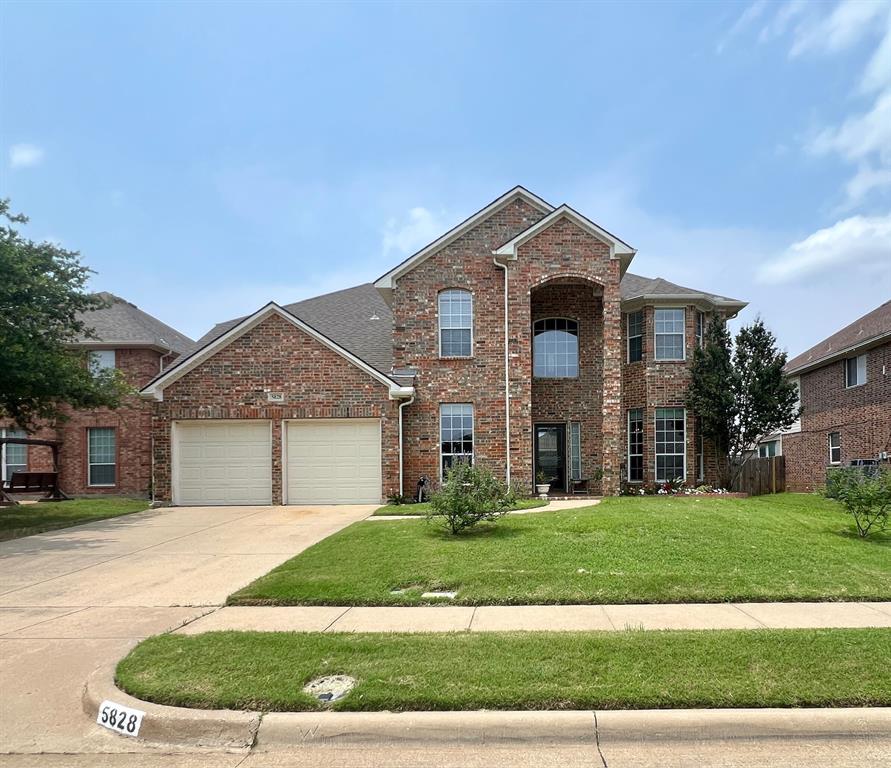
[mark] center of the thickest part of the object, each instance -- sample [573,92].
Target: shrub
[468,496]
[866,496]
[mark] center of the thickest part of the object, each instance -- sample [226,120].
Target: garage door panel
[224,463]
[334,462]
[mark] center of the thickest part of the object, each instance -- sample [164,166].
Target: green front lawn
[626,550]
[597,670]
[28,519]
[424,508]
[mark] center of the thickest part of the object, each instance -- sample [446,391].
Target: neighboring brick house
[107,451]
[845,392]
[516,340]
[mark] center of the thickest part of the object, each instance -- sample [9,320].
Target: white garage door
[222,462]
[334,461]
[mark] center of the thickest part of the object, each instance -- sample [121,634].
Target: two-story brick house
[844,386]
[517,340]
[106,451]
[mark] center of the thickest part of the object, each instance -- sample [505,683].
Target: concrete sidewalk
[552,506]
[544,618]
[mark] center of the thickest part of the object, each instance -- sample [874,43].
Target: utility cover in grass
[330,688]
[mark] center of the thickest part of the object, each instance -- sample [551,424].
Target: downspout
[401,406]
[506,376]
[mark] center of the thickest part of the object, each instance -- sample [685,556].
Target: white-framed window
[101,456]
[700,329]
[671,442]
[575,450]
[768,450]
[455,323]
[669,330]
[555,348]
[101,360]
[834,447]
[855,371]
[635,445]
[635,331]
[14,457]
[455,435]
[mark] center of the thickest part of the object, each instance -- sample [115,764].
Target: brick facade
[316,382]
[132,425]
[862,416]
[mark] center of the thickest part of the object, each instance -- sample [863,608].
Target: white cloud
[25,155]
[781,20]
[415,230]
[849,21]
[859,241]
[743,22]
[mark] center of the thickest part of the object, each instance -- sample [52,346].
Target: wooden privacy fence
[760,476]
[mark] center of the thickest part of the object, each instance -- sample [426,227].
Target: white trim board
[155,388]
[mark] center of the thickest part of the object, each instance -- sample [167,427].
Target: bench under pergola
[46,483]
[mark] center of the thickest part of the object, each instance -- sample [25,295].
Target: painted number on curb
[119,718]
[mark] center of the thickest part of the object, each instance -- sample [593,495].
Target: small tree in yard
[469,495]
[740,395]
[42,299]
[865,495]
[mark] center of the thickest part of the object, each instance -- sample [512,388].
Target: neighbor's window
[101,360]
[635,336]
[555,348]
[455,435]
[700,329]
[669,324]
[102,455]
[855,371]
[15,457]
[700,452]
[768,450]
[455,323]
[575,450]
[835,447]
[635,445]
[671,440]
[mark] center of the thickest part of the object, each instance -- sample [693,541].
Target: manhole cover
[329,688]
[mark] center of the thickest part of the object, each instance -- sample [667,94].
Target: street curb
[218,728]
[230,729]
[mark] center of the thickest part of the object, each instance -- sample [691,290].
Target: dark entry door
[550,454]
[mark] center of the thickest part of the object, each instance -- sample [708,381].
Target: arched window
[555,348]
[455,323]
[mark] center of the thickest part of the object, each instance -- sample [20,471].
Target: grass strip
[524,670]
[625,550]
[28,519]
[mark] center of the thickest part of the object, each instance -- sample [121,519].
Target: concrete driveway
[72,599]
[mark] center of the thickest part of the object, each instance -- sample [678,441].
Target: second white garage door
[335,461]
[222,462]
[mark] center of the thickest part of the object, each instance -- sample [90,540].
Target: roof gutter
[688,298]
[832,357]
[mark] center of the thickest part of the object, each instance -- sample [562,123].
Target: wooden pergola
[33,482]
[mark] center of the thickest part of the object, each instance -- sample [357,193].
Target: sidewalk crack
[338,618]
[597,740]
[472,619]
[749,615]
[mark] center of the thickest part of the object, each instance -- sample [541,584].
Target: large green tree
[42,301]
[739,392]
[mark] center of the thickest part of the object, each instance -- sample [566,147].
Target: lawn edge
[243,729]
[21,533]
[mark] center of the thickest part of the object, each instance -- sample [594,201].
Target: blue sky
[206,158]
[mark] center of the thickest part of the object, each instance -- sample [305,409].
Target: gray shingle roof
[126,324]
[871,326]
[357,319]
[635,286]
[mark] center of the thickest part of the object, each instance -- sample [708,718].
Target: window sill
[456,357]
[555,378]
[855,386]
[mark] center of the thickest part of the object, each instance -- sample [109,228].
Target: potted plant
[542,484]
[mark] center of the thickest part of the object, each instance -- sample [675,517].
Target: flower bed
[677,488]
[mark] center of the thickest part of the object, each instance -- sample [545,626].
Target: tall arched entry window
[555,348]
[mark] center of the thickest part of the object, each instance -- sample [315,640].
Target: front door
[550,454]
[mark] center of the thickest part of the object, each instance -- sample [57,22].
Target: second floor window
[455,323]
[635,336]
[855,371]
[101,360]
[555,348]
[700,329]
[669,334]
